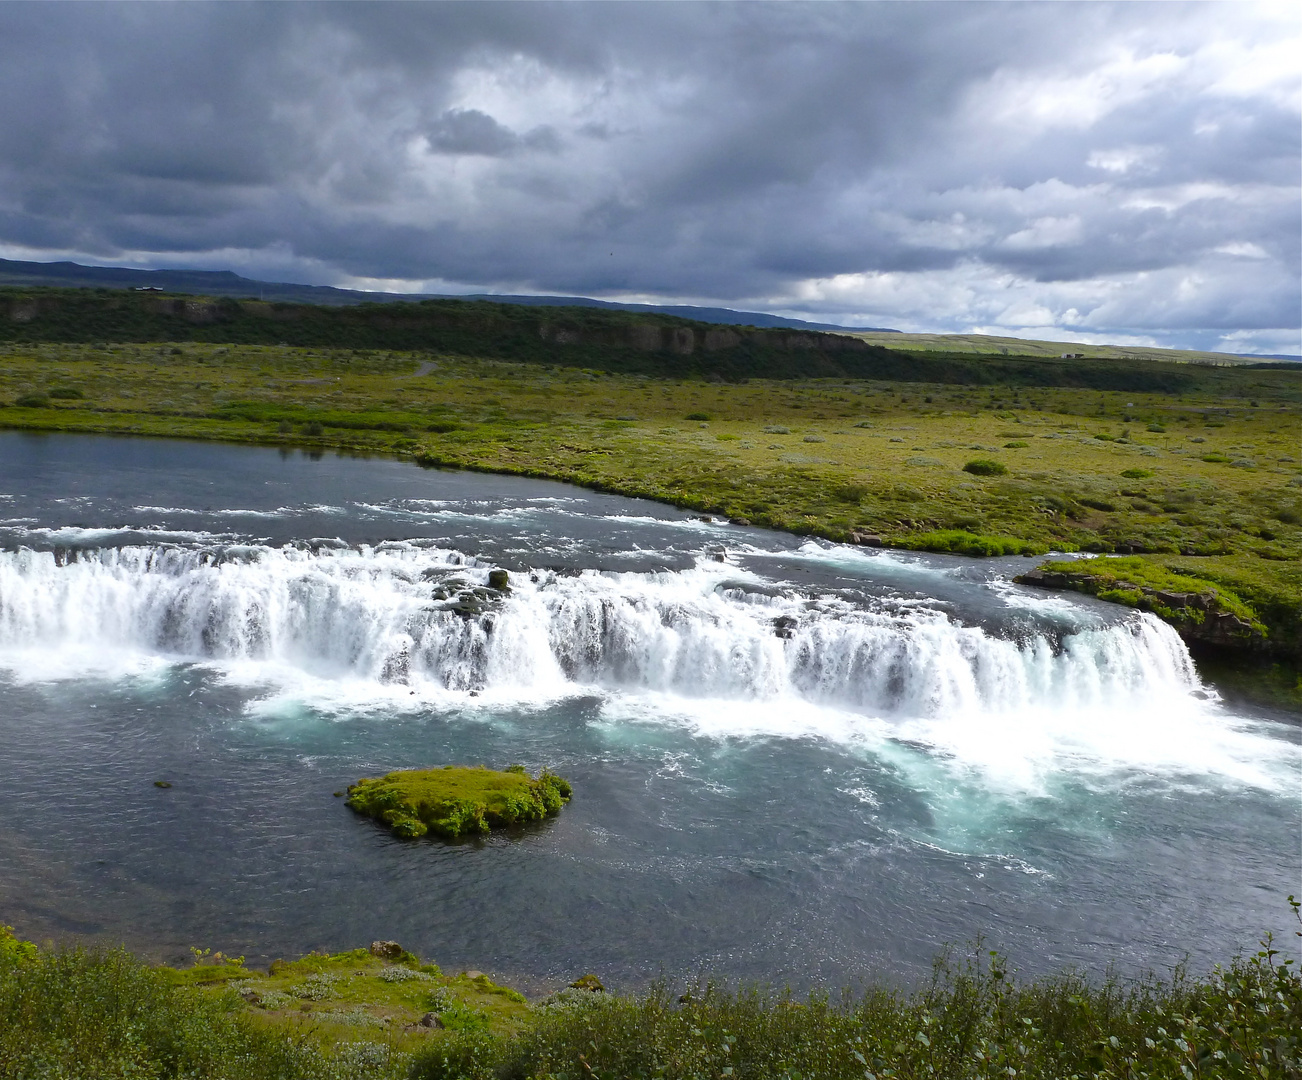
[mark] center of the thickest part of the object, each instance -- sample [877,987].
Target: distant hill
[646,342]
[989,345]
[225,283]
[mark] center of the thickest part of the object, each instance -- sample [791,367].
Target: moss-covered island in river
[454,802]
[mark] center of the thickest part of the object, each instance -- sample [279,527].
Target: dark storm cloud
[1070,167]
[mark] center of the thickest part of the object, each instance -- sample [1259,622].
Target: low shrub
[985,467]
[85,1013]
[32,401]
[961,542]
[972,1021]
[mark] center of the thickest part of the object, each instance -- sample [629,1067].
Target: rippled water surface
[793,760]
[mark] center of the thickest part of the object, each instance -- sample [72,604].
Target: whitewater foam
[717,649]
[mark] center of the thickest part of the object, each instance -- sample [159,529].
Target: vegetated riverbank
[1207,471]
[382,1013]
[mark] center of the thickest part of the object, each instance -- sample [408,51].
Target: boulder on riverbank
[453,802]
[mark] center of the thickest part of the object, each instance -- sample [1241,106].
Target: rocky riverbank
[1244,629]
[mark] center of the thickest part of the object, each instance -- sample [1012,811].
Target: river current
[794,761]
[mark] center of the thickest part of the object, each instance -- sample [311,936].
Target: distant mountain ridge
[227,283]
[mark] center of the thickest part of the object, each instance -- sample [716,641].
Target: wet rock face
[458,596]
[784,626]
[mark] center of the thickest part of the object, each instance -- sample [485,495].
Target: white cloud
[1046,232]
[1242,249]
[1126,159]
[1281,341]
[1032,102]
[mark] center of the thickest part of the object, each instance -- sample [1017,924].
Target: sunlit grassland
[1199,474]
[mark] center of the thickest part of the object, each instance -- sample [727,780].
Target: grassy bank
[1258,597]
[77,1013]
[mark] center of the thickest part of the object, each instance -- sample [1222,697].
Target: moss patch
[453,802]
[332,1000]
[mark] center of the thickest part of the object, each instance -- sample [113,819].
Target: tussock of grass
[965,543]
[454,802]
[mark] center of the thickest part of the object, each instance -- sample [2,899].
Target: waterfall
[425,618]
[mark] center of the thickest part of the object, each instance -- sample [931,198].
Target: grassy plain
[1209,474]
[1221,476]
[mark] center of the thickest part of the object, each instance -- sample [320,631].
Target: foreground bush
[105,1016]
[971,1023]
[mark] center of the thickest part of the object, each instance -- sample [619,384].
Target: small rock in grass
[387,950]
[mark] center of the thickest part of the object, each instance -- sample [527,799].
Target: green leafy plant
[985,467]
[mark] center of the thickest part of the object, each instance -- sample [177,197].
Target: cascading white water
[391,616]
[723,651]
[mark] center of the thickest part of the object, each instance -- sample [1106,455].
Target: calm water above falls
[793,761]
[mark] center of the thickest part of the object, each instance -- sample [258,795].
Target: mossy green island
[455,802]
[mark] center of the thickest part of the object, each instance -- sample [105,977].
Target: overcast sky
[1073,171]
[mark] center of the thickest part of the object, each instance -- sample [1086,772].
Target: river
[794,761]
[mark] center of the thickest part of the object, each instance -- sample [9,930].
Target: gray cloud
[469,131]
[1087,168]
